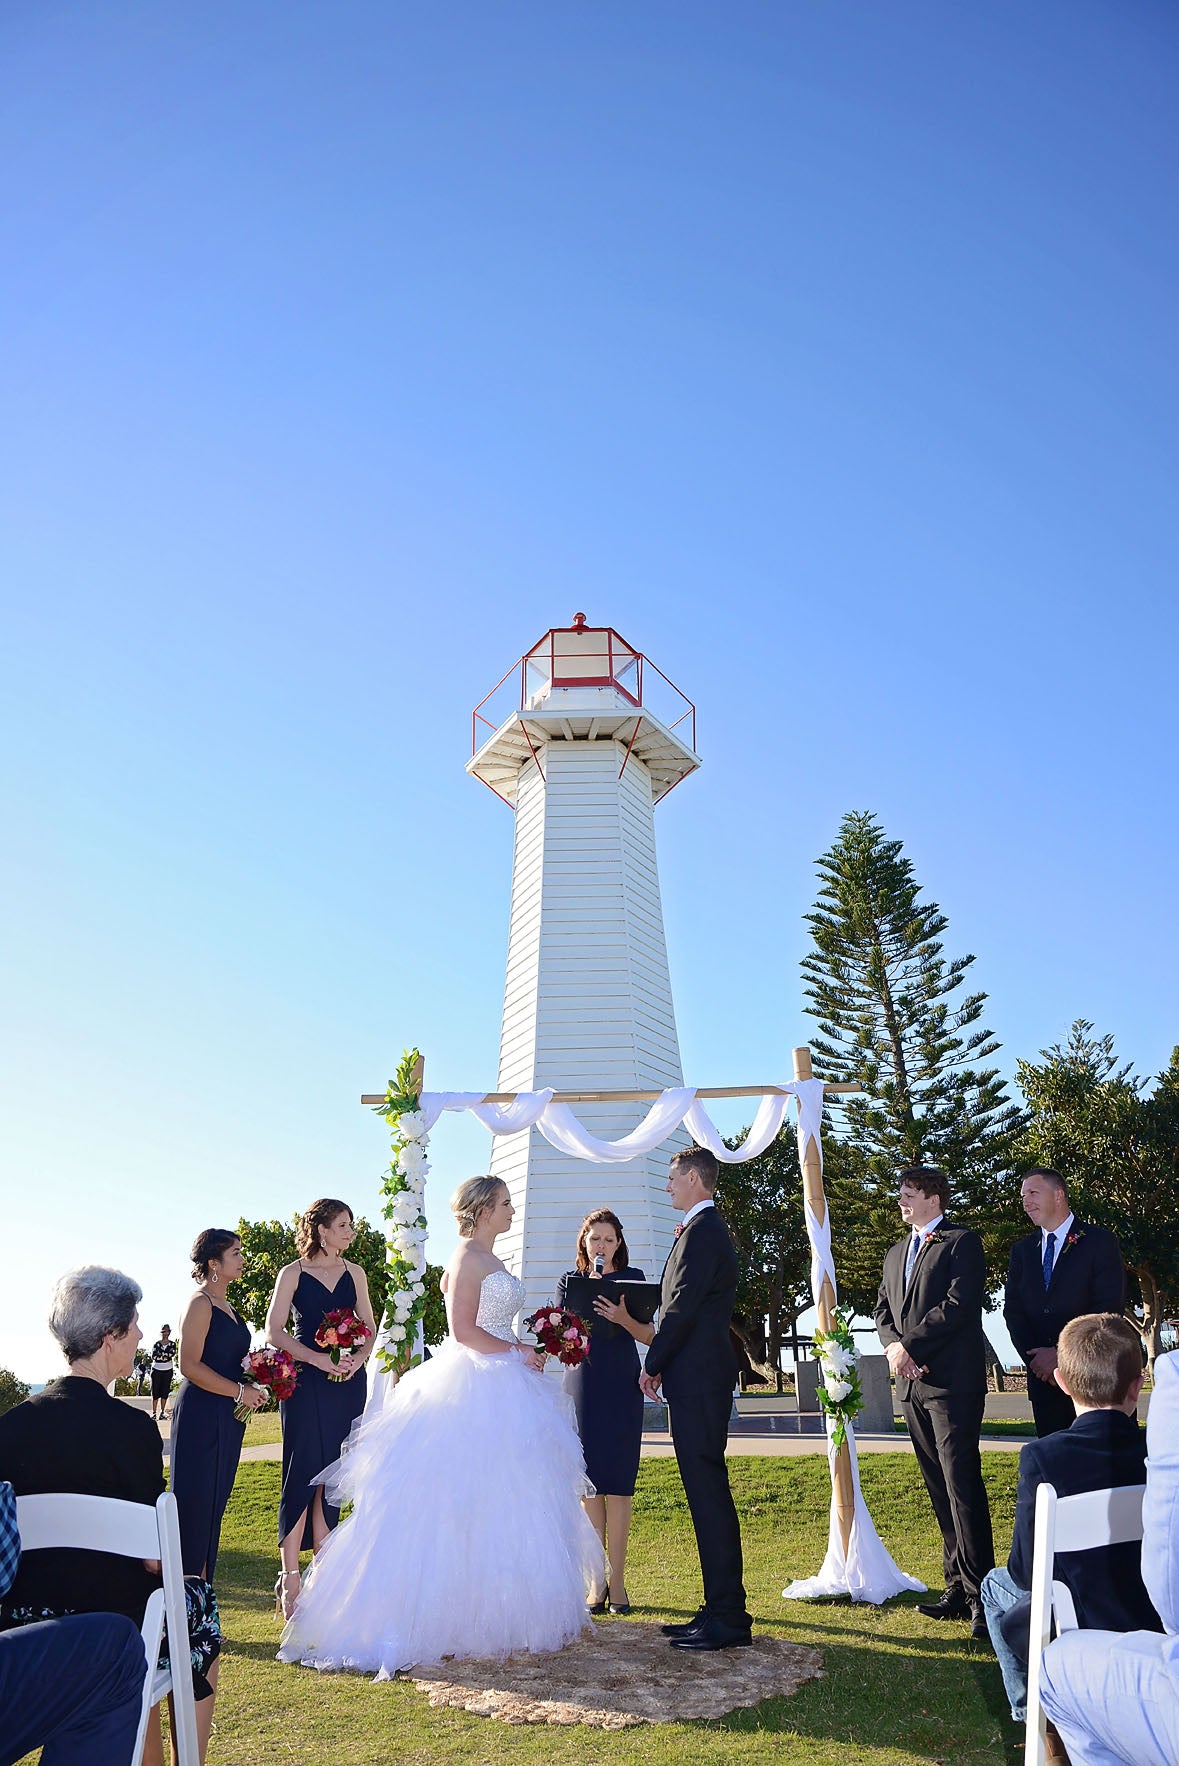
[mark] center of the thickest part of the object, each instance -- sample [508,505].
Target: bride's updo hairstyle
[472,1200]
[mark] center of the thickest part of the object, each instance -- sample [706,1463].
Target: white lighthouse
[583,759]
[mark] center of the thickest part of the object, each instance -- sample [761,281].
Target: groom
[692,1358]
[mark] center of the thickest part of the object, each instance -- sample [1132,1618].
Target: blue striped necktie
[1049,1257]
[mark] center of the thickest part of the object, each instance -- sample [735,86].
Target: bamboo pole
[812,1181]
[633,1097]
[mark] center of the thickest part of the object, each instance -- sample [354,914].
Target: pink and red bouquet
[273,1370]
[340,1332]
[560,1333]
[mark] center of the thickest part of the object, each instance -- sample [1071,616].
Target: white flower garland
[404,1187]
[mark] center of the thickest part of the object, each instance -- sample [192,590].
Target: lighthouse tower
[583,758]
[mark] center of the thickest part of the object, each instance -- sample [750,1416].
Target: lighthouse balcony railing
[638,681]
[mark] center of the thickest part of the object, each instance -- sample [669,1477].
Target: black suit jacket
[938,1316]
[1087,1277]
[1101,1451]
[692,1349]
[75,1437]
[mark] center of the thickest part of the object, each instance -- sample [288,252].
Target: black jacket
[74,1436]
[1087,1277]
[938,1317]
[692,1349]
[1101,1451]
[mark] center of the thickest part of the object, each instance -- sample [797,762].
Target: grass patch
[899,1689]
[1000,1428]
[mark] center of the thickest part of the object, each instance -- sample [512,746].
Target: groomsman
[1062,1271]
[691,1356]
[929,1319]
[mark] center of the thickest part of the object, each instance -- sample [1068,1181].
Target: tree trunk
[1151,1325]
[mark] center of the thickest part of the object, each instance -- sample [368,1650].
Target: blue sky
[827,352]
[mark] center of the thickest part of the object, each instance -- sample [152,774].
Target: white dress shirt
[917,1241]
[698,1209]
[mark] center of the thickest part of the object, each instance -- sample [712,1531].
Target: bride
[467,1537]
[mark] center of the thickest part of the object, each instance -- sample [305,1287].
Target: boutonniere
[936,1239]
[1075,1238]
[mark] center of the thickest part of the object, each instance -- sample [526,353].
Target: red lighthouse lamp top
[583,655]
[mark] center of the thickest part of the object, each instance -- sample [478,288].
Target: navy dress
[609,1404]
[206,1445]
[317,1419]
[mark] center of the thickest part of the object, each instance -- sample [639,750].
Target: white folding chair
[130,1530]
[1068,1523]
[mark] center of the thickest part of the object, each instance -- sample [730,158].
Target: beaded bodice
[500,1298]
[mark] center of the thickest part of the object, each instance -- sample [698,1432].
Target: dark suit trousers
[72,1687]
[1053,1409]
[699,1431]
[945,1435]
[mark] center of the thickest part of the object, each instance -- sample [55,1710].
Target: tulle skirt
[467,1537]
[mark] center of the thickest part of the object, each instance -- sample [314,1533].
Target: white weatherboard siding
[587,1004]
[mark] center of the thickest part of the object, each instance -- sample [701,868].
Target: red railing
[624,669]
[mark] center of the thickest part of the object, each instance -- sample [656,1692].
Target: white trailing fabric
[562,1130]
[866,1570]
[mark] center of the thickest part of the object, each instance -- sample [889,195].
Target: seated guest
[1100,1368]
[1115,1698]
[609,1404]
[72,1687]
[75,1437]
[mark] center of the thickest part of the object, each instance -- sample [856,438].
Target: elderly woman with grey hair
[75,1437]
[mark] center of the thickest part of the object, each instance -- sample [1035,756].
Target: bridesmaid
[317,1418]
[609,1404]
[206,1436]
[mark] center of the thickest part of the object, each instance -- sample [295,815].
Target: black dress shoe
[686,1629]
[712,1635]
[978,1622]
[952,1605]
[599,1606]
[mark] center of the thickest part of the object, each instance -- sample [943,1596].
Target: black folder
[642,1298]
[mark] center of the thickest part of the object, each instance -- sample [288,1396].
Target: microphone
[599,1265]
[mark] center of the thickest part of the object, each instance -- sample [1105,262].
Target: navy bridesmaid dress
[605,1389]
[206,1445]
[319,1415]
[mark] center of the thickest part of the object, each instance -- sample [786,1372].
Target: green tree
[269,1244]
[761,1201]
[1118,1149]
[892,1014]
[12,1390]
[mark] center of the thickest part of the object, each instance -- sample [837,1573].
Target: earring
[213,1276]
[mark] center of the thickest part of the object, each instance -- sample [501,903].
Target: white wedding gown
[467,1537]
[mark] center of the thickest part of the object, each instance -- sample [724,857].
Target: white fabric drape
[866,1571]
[561,1128]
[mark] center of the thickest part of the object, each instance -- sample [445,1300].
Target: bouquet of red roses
[560,1333]
[340,1331]
[273,1370]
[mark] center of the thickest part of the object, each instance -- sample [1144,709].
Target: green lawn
[898,1689]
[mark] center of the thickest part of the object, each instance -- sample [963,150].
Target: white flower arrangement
[404,1187]
[839,1378]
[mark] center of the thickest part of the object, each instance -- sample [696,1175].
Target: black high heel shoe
[600,1606]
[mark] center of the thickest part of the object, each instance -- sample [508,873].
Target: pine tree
[891,1013]
[1118,1148]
